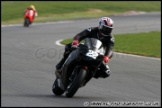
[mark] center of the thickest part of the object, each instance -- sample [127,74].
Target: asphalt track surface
[29,56]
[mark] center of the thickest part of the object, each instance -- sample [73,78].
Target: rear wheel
[56,89]
[76,82]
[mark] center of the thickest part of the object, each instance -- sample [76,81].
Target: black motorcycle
[80,66]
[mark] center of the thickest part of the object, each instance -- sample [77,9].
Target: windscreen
[93,44]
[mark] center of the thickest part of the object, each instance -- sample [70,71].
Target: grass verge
[63,10]
[145,44]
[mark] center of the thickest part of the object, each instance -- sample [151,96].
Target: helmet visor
[105,30]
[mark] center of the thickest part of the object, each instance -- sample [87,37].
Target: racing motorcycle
[80,66]
[28,17]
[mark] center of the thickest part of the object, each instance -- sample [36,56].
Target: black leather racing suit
[108,43]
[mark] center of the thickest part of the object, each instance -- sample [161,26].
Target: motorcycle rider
[103,33]
[33,12]
[34,9]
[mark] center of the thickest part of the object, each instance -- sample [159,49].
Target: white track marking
[138,56]
[122,14]
[59,22]
[58,43]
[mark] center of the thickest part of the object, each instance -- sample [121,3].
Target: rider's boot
[103,71]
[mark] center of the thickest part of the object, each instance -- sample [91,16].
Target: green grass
[145,44]
[12,11]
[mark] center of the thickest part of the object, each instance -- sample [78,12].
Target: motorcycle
[28,17]
[80,66]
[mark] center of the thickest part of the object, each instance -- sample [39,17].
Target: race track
[29,56]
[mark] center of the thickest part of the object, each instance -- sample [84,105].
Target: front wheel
[26,22]
[56,89]
[76,82]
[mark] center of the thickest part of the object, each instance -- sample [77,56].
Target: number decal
[89,29]
[112,39]
[92,54]
[31,13]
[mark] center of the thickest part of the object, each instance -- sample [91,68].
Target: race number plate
[92,54]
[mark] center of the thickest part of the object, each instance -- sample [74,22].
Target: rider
[103,33]
[34,9]
[33,12]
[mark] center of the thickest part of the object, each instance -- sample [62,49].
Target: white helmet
[105,26]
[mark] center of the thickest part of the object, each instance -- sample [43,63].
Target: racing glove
[75,43]
[106,59]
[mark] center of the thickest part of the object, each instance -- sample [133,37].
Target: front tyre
[26,22]
[56,89]
[76,82]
